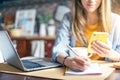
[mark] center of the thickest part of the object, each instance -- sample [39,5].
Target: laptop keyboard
[29,64]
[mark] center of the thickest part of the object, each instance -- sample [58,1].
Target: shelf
[34,38]
[24,45]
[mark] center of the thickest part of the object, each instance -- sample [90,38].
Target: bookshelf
[24,44]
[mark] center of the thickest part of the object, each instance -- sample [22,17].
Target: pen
[69,47]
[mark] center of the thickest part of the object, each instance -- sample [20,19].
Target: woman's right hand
[77,63]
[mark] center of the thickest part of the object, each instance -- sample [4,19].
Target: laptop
[11,56]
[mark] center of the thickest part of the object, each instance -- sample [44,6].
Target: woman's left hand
[102,49]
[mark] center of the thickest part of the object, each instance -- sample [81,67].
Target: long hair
[79,20]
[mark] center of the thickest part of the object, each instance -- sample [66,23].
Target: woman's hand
[78,63]
[102,49]
[105,50]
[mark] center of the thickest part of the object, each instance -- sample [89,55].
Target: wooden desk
[24,44]
[114,76]
[7,76]
[58,73]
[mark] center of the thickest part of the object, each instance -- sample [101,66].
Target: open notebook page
[94,69]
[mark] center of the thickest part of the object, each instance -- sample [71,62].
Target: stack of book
[38,48]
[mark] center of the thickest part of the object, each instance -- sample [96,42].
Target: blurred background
[44,19]
[45,9]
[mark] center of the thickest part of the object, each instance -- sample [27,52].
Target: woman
[88,16]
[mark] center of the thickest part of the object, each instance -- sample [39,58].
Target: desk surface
[114,76]
[8,76]
[58,73]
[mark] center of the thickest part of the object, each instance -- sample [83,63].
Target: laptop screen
[9,52]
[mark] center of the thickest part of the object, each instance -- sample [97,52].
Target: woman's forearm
[115,56]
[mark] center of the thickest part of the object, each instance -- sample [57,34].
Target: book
[38,48]
[99,36]
[94,69]
[1,57]
[116,65]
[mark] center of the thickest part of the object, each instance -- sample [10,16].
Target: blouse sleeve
[115,34]
[62,38]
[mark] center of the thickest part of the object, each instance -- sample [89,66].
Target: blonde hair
[79,20]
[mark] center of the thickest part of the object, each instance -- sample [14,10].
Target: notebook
[94,69]
[27,64]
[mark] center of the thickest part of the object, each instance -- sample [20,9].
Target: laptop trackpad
[29,64]
[40,61]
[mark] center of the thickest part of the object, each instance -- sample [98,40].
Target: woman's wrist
[115,56]
[64,59]
[67,61]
